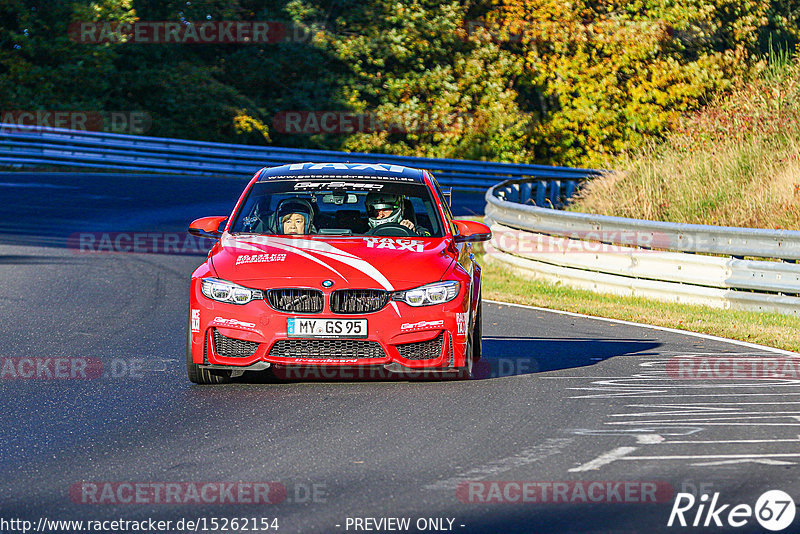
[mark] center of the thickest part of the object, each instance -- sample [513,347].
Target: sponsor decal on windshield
[321,171]
[347,167]
[412,245]
[337,185]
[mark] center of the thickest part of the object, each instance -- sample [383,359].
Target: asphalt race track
[590,416]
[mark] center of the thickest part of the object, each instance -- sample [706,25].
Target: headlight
[428,295]
[224,291]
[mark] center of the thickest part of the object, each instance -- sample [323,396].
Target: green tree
[607,76]
[436,90]
[41,67]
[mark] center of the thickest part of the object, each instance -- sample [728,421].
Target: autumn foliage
[571,83]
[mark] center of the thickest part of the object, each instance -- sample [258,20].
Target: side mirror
[207,227]
[471,232]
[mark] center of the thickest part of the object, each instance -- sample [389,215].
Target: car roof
[388,171]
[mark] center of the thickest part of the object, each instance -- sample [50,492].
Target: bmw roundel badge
[327,283]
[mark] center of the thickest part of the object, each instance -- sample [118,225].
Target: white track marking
[707,403]
[765,461]
[652,382]
[713,456]
[648,439]
[724,441]
[704,423]
[732,417]
[551,447]
[604,459]
[652,327]
[654,430]
[699,412]
[681,395]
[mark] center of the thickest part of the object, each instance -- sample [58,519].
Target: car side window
[447,213]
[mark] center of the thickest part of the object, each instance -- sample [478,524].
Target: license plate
[303,327]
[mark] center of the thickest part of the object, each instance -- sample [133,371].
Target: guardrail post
[525,192]
[541,191]
[569,190]
[555,191]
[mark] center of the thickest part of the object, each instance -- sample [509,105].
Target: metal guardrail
[506,206]
[665,260]
[35,145]
[661,260]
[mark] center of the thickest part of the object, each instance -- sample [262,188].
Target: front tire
[474,346]
[477,334]
[197,374]
[465,373]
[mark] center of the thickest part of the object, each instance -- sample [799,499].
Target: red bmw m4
[337,265]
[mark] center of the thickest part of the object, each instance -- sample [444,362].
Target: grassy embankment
[736,163]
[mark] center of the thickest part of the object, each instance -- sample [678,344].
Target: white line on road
[634,431]
[712,456]
[715,442]
[740,394]
[551,447]
[604,459]
[693,411]
[652,327]
[684,423]
[648,439]
[765,461]
[677,405]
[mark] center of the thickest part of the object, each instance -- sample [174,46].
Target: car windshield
[338,206]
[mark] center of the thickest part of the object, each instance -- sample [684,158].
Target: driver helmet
[294,205]
[384,201]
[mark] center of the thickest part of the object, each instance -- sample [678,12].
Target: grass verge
[771,329]
[734,163]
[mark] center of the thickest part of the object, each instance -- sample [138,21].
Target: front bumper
[400,337]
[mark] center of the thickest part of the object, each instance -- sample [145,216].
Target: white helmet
[384,201]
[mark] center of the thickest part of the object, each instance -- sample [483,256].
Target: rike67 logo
[774,510]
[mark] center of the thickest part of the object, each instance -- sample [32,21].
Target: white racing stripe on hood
[331,252]
[299,246]
[250,245]
[364,267]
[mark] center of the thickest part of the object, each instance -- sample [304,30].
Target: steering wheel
[391,229]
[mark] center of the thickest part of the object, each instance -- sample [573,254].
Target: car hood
[391,263]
